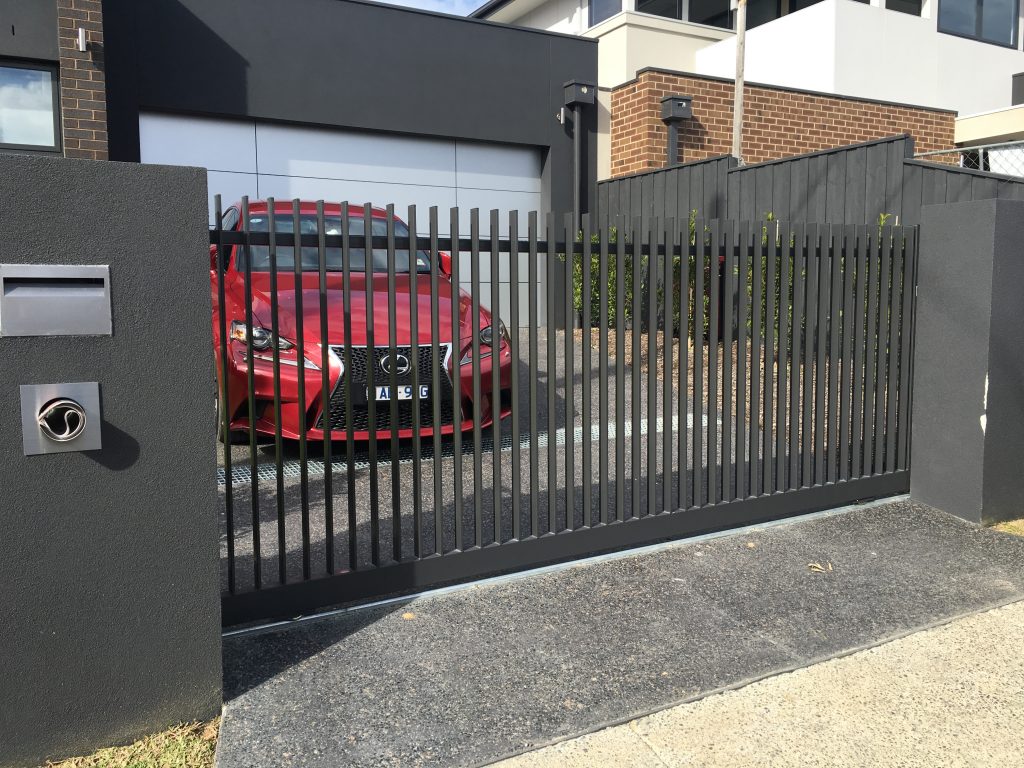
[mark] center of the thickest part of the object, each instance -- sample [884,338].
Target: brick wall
[776,122]
[83,96]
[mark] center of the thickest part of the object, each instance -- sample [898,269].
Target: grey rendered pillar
[967,451]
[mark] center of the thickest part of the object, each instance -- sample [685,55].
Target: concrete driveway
[470,676]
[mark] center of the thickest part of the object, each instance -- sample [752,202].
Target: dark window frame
[590,14]
[1014,45]
[677,17]
[58,139]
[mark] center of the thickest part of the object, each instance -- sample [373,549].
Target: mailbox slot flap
[45,300]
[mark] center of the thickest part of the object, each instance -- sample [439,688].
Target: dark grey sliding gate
[713,374]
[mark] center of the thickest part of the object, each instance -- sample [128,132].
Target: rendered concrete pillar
[109,569]
[967,432]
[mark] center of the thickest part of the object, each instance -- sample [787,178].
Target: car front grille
[353,385]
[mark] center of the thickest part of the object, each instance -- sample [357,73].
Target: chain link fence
[1006,159]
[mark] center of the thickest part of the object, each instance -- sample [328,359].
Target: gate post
[968,386]
[109,604]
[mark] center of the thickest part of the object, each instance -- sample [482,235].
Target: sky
[459,7]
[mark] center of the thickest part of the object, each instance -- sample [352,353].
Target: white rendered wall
[794,51]
[566,16]
[628,42]
[853,49]
[935,69]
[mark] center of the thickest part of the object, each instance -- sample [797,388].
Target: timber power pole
[737,102]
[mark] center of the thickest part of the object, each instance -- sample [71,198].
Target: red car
[347,383]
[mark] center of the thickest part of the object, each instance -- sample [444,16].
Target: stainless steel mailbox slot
[61,418]
[60,300]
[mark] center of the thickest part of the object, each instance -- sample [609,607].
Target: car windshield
[310,260]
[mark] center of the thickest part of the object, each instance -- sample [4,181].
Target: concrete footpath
[950,696]
[469,677]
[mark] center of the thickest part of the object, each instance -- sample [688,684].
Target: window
[913,7]
[603,9]
[762,11]
[992,21]
[670,9]
[29,118]
[310,256]
[714,13]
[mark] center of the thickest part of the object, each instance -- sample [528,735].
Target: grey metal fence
[867,183]
[382,432]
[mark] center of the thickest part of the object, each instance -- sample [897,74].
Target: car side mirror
[446,263]
[213,258]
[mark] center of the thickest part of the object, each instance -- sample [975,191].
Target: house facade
[371,103]
[950,55]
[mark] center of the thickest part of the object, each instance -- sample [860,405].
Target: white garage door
[268,160]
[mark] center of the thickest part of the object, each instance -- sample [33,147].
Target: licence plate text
[402,392]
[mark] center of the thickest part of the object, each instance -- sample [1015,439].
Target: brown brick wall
[776,122]
[83,95]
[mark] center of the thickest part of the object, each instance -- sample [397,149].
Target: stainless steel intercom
[54,300]
[61,418]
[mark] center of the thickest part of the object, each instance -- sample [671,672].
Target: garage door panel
[355,156]
[497,167]
[504,201]
[218,145]
[359,192]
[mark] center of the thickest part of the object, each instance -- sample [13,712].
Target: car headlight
[486,336]
[261,337]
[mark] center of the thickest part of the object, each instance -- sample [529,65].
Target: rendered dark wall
[28,29]
[110,616]
[347,64]
[968,413]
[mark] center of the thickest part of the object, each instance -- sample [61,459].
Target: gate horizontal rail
[699,374]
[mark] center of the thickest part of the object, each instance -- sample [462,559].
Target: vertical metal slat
[345,381]
[414,360]
[456,373]
[569,374]
[585,371]
[435,384]
[668,338]
[392,373]
[254,489]
[514,333]
[225,425]
[371,403]
[495,378]
[797,332]
[533,374]
[300,367]
[325,388]
[700,319]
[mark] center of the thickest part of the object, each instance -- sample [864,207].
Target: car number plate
[402,392]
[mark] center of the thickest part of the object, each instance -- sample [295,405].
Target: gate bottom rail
[410,576]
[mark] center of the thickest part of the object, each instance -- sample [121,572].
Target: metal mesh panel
[1006,159]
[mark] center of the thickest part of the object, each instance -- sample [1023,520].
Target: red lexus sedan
[348,383]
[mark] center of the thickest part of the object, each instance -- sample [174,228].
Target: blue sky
[459,7]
